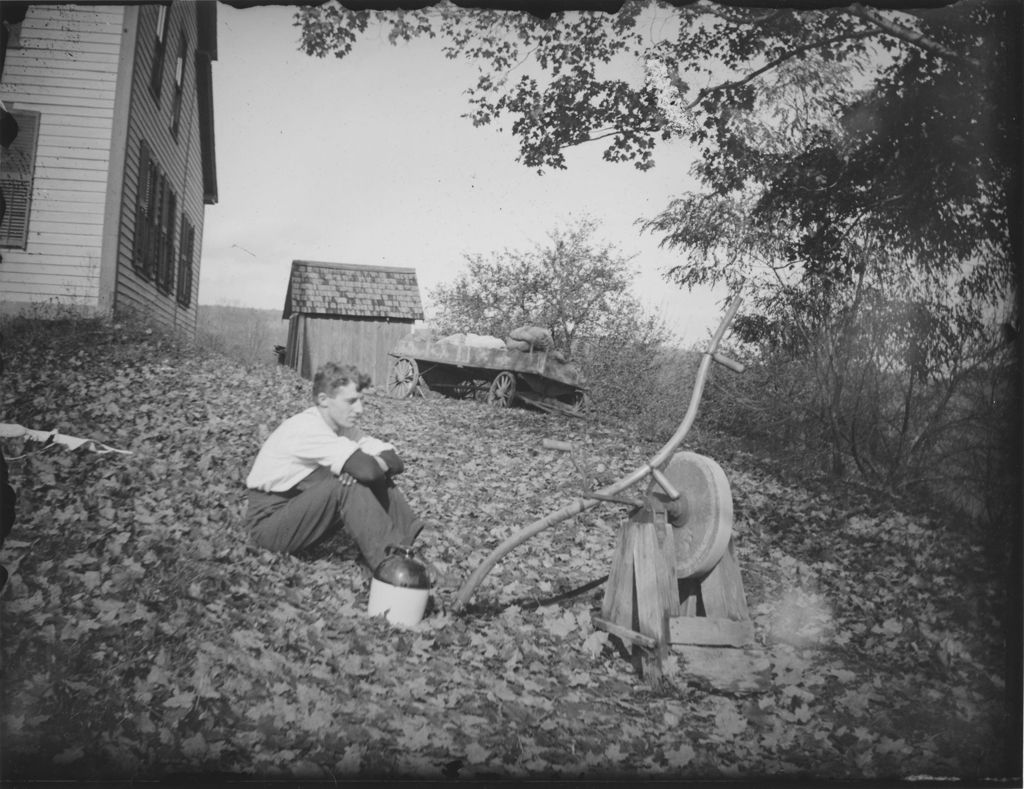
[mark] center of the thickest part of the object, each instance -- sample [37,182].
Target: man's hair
[332,376]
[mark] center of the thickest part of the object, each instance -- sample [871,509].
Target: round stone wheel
[702,518]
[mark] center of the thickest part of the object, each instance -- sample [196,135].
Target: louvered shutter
[186,244]
[165,252]
[17,168]
[143,204]
[179,84]
[156,78]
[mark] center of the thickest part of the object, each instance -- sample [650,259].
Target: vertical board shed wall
[66,69]
[364,343]
[180,159]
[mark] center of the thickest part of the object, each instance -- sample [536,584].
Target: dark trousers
[7,499]
[374,516]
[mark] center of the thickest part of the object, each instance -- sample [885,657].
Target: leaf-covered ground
[143,636]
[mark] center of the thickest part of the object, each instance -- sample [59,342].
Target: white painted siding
[66,69]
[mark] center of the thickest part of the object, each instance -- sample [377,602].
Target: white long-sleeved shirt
[299,445]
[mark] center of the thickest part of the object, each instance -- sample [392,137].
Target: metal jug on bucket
[400,587]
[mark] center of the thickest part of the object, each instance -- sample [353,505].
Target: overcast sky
[367,160]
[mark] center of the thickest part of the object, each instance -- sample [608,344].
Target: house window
[10,30]
[179,84]
[155,215]
[17,168]
[156,78]
[186,249]
[13,35]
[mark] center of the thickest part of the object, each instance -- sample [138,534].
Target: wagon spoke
[464,389]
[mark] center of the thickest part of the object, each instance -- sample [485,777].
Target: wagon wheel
[404,378]
[577,405]
[503,390]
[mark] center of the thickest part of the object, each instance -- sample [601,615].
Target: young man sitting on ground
[318,472]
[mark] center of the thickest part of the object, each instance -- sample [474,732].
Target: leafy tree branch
[911,36]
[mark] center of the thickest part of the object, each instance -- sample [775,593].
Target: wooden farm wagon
[500,376]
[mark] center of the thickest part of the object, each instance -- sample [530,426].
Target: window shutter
[17,169]
[143,202]
[165,252]
[185,250]
[156,78]
[179,84]
[147,213]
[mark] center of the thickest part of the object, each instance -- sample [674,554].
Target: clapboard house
[107,180]
[348,313]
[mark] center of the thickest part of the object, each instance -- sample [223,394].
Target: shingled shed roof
[348,290]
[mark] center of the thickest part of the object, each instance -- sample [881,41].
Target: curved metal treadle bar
[651,468]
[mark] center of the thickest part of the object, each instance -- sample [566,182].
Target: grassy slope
[143,636]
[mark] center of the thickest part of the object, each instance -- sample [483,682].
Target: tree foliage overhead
[551,74]
[916,157]
[907,122]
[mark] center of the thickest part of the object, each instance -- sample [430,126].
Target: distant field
[243,333]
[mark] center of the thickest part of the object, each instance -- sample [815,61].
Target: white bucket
[403,606]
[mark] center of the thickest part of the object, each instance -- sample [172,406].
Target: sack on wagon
[529,338]
[475,340]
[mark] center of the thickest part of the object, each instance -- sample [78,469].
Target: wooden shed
[341,312]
